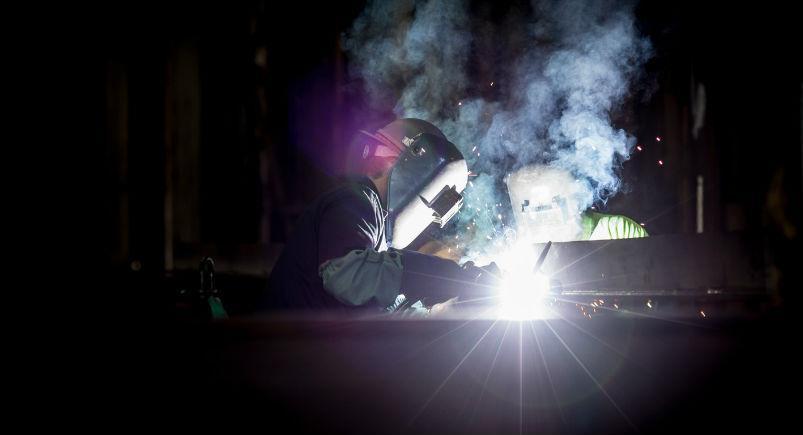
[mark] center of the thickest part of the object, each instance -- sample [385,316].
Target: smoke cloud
[537,83]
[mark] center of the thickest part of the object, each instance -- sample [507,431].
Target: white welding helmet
[546,204]
[425,181]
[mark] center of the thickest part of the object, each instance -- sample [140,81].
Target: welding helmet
[546,202]
[425,180]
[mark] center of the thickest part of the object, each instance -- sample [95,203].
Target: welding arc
[542,257]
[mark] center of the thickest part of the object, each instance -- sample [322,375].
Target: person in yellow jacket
[546,207]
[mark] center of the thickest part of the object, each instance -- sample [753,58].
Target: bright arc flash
[522,293]
[522,296]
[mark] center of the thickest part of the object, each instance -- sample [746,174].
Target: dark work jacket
[346,218]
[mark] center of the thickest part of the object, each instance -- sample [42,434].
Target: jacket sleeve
[363,275]
[614,227]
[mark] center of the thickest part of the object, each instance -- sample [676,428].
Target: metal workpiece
[665,265]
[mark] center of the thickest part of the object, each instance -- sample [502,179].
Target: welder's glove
[490,273]
[435,280]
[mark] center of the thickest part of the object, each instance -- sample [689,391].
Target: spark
[492,83]
[649,303]
[661,162]
[702,313]
[601,341]
[459,103]
[639,314]
[642,224]
[474,149]
[657,138]
[638,147]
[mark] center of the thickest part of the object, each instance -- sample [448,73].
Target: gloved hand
[490,274]
[434,280]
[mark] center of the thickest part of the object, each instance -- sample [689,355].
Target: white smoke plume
[538,86]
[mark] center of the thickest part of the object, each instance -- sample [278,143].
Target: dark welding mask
[424,187]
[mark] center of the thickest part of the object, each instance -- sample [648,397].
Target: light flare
[522,296]
[522,293]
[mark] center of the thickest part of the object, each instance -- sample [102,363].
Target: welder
[348,249]
[546,205]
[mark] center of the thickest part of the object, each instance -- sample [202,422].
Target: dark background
[203,128]
[213,125]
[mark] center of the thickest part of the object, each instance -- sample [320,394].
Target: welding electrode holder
[555,286]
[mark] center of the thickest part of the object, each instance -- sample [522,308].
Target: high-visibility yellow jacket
[600,226]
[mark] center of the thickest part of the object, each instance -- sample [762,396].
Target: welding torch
[542,257]
[555,286]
